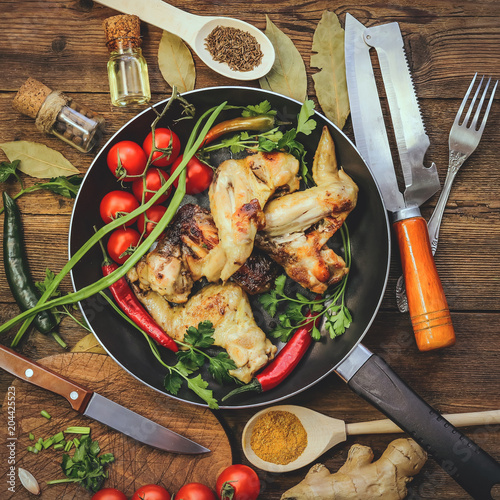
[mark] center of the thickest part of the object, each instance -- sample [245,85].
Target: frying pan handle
[427,304]
[469,465]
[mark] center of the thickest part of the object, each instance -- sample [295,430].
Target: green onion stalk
[192,147]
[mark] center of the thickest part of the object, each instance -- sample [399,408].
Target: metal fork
[464,138]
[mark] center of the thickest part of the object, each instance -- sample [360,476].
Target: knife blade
[427,303]
[97,407]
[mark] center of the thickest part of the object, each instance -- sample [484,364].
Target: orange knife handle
[25,369]
[427,304]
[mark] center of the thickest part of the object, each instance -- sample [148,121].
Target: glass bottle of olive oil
[127,68]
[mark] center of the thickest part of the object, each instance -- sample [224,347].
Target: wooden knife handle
[427,304]
[32,372]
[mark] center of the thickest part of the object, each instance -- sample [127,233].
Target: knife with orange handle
[97,407]
[427,303]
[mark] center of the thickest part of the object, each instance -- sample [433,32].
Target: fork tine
[487,112]
[469,111]
[479,106]
[464,101]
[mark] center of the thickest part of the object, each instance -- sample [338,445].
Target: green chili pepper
[17,271]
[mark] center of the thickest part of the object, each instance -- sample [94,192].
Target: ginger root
[360,479]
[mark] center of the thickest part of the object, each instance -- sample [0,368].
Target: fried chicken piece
[228,309]
[238,193]
[178,260]
[299,225]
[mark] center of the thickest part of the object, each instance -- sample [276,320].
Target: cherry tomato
[109,494]
[198,175]
[238,482]
[153,214]
[155,178]
[127,160]
[121,240]
[164,139]
[195,491]
[151,492]
[117,204]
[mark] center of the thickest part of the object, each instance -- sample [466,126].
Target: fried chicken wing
[238,193]
[299,225]
[228,309]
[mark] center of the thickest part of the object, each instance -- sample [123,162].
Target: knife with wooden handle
[98,407]
[427,303]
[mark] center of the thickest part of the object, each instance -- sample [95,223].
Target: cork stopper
[122,31]
[30,97]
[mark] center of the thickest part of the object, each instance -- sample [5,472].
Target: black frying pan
[366,373]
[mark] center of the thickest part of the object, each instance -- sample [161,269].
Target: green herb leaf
[199,386]
[65,186]
[269,302]
[7,169]
[306,124]
[219,367]
[173,382]
[191,359]
[202,336]
[263,108]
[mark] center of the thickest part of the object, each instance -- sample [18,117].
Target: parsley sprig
[65,186]
[189,360]
[274,139]
[331,305]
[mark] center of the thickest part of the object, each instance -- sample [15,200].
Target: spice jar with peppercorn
[58,114]
[127,68]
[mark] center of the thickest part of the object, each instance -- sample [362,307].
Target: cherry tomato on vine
[164,139]
[238,482]
[155,178]
[195,491]
[198,175]
[153,214]
[109,494]
[151,492]
[127,160]
[116,204]
[122,243]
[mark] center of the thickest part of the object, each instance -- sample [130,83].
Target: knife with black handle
[97,407]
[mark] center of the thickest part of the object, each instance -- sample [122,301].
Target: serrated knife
[98,407]
[427,303]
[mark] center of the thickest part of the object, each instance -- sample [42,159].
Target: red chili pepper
[284,363]
[130,305]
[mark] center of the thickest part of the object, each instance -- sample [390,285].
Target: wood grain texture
[61,43]
[136,464]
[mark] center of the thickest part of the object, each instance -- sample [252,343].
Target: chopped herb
[331,305]
[86,466]
[45,414]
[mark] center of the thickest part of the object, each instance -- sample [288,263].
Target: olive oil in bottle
[127,68]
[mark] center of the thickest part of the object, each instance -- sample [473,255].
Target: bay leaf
[288,75]
[38,160]
[330,83]
[176,62]
[89,344]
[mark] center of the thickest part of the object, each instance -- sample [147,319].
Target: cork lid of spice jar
[122,29]
[30,97]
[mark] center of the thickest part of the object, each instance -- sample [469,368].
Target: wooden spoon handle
[387,426]
[25,369]
[427,304]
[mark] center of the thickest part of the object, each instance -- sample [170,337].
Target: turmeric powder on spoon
[278,437]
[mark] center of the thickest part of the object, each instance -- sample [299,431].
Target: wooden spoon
[325,432]
[194,29]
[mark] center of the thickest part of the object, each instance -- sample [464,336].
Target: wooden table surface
[61,43]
